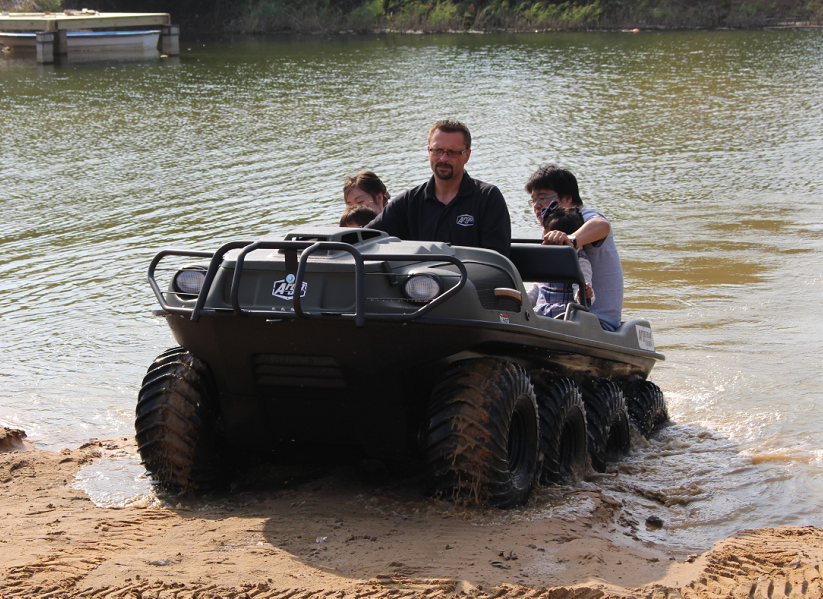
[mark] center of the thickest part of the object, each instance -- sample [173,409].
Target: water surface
[704,148]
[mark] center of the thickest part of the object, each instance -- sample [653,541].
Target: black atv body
[410,350]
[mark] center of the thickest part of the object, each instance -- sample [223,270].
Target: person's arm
[592,231]
[496,226]
[586,267]
[533,293]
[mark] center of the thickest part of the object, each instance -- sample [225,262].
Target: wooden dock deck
[51,28]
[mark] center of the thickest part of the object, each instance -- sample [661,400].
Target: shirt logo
[285,290]
[465,220]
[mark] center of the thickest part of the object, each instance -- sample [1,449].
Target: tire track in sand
[59,573]
[770,563]
[759,564]
[766,563]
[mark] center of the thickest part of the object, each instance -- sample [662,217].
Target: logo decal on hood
[285,289]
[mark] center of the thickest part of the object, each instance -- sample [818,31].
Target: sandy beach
[335,532]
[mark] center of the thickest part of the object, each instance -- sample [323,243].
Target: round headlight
[190,280]
[422,288]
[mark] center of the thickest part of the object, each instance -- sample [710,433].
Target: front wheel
[175,424]
[482,433]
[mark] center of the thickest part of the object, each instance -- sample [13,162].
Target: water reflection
[21,59]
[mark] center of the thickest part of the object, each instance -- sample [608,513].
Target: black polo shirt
[476,217]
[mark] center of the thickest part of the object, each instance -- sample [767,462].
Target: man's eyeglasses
[438,152]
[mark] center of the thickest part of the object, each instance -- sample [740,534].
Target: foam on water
[117,482]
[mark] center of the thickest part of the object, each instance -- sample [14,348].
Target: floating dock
[51,29]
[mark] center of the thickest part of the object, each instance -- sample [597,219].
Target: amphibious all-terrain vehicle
[411,350]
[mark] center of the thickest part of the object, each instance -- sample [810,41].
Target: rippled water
[704,148]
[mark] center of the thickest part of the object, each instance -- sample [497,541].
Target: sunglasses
[546,210]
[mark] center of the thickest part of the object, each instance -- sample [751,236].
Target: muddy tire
[563,437]
[482,433]
[175,424]
[647,406]
[607,419]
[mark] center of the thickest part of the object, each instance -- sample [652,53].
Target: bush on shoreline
[31,5]
[308,16]
[493,15]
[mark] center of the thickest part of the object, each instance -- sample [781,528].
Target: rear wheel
[607,419]
[647,406]
[175,424]
[482,433]
[562,427]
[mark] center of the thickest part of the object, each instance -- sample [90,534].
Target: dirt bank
[337,532]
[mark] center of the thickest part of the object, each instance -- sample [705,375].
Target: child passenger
[551,299]
[358,215]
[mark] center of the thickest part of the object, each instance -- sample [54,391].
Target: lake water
[704,148]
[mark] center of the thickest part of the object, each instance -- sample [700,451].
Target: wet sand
[333,533]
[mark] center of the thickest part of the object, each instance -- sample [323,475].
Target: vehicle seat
[552,263]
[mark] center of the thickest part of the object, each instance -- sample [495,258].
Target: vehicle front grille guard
[308,248]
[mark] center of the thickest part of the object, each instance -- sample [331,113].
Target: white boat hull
[89,40]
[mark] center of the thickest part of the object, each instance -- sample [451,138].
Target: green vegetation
[453,15]
[462,15]
[31,5]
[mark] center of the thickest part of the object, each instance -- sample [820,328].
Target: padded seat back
[546,263]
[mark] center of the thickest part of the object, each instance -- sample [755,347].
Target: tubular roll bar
[308,248]
[156,288]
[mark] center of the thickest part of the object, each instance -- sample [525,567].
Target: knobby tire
[482,433]
[175,424]
[563,438]
[608,421]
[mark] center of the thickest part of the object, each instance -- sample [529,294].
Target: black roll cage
[308,248]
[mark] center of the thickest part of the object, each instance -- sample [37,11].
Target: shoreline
[493,31]
[266,18]
[337,531]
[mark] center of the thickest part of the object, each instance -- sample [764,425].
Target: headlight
[189,280]
[422,288]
